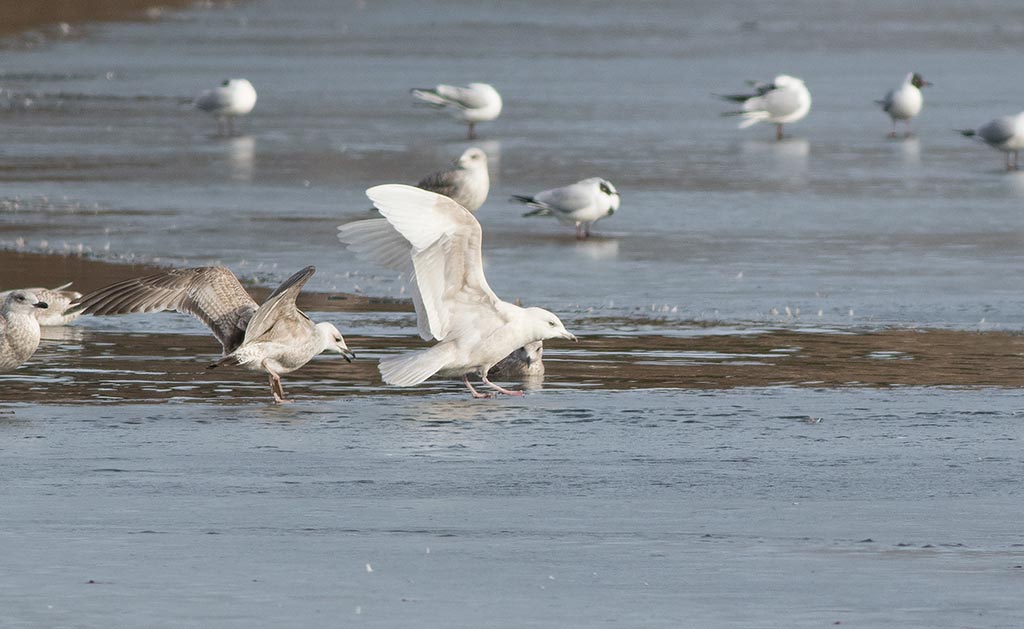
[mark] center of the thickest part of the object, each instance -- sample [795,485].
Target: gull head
[530,353]
[22,301]
[544,325]
[784,81]
[472,159]
[918,81]
[334,341]
[607,189]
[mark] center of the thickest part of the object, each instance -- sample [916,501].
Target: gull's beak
[41,304]
[570,336]
[347,354]
[926,84]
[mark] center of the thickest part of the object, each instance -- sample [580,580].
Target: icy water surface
[795,401]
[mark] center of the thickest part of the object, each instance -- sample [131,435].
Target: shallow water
[795,401]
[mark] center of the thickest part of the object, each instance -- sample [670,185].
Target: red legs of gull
[580,234]
[502,389]
[472,131]
[275,384]
[778,132]
[476,394]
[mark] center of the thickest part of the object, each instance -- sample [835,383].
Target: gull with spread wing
[275,336]
[436,242]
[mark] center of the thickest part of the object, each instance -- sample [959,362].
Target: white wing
[444,244]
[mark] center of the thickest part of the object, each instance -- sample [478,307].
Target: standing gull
[436,242]
[580,204]
[58,299]
[19,328]
[275,337]
[477,102]
[467,184]
[904,102]
[1005,133]
[234,97]
[780,102]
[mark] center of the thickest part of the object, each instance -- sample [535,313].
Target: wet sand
[25,16]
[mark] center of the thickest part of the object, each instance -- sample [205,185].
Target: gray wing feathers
[211,294]
[446,182]
[280,306]
[998,131]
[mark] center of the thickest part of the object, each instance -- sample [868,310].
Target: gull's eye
[551,323]
[21,298]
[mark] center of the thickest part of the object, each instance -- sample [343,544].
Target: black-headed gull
[477,102]
[1005,133]
[580,204]
[904,102]
[232,98]
[784,100]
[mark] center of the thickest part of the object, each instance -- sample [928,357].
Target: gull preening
[436,242]
[580,204]
[1005,133]
[232,98]
[467,184]
[784,100]
[904,102]
[58,299]
[275,336]
[19,328]
[477,102]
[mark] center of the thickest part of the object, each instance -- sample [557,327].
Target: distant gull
[436,242]
[580,204]
[19,328]
[58,299]
[234,97]
[904,102]
[467,184]
[477,102]
[780,102]
[1005,133]
[275,337]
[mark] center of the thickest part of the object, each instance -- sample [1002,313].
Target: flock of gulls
[428,233]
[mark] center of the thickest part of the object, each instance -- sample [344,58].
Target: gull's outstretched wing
[444,242]
[280,311]
[212,294]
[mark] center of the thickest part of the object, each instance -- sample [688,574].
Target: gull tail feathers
[413,368]
[428,96]
[228,361]
[749,117]
[967,133]
[538,208]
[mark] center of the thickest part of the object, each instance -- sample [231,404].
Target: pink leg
[275,385]
[778,132]
[476,395]
[579,232]
[586,230]
[472,131]
[502,389]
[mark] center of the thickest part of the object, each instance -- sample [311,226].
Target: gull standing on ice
[1005,133]
[780,102]
[58,299]
[477,102]
[19,328]
[467,184]
[904,102]
[436,242]
[234,97]
[580,204]
[275,337]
